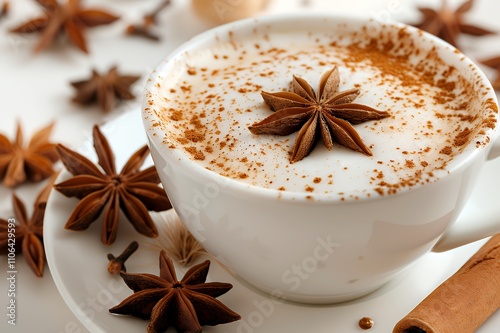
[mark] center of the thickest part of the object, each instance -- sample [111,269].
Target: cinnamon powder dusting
[197,155]
[435,111]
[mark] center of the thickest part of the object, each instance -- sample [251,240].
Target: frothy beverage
[210,97]
[334,224]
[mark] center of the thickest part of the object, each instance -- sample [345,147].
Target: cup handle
[471,226]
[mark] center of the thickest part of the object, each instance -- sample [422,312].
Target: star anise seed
[448,24]
[331,113]
[186,305]
[104,89]
[28,232]
[495,64]
[19,163]
[69,18]
[133,191]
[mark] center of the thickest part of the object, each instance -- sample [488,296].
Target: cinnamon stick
[463,302]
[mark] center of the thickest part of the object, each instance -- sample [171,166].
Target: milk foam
[209,97]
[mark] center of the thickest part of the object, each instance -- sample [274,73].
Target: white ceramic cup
[318,251]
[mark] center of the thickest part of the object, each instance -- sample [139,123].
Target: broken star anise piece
[447,24]
[104,89]
[28,231]
[186,305]
[67,17]
[495,64]
[33,162]
[148,21]
[330,113]
[133,191]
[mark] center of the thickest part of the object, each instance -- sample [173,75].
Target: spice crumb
[446,150]
[365,323]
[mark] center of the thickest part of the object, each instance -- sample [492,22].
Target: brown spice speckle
[410,164]
[462,138]
[194,135]
[197,155]
[446,150]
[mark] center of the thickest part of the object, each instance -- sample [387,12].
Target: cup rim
[466,157]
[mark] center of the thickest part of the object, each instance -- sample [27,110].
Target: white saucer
[78,262]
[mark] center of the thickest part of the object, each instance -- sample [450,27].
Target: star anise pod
[330,113]
[4,9]
[67,17]
[495,64]
[28,232]
[447,24]
[33,162]
[133,191]
[186,305]
[104,89]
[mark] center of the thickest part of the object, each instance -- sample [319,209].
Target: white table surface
[35,91]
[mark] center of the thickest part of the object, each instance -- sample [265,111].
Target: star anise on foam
[104,89]
[32,162]
[28,232]
[186,305]
[495,64]
[133,191]
[447,24]
[330,114]
[64,17]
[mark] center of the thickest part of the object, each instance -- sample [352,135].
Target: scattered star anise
[186,305]
[33,162]
[133,191]
[28,231]
[104,89]
[68,17]
[148,21]
[330,113]
[495,64]
[448,24]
